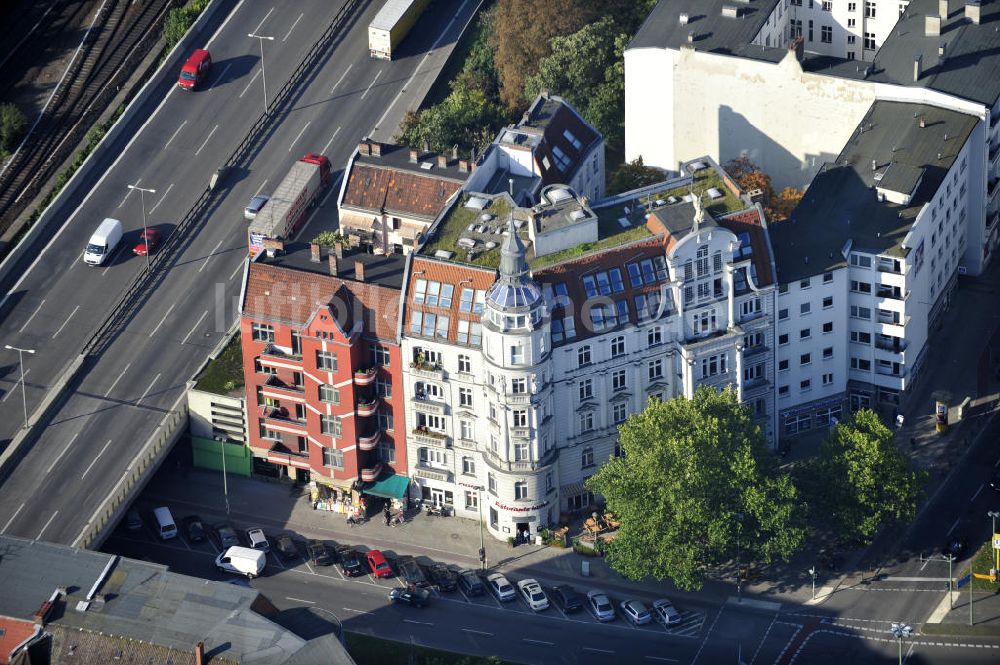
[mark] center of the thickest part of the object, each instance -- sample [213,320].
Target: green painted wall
[206,456]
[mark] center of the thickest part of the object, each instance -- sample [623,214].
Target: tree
[785,202]
[12,126]
[869,481]
[695,489]
[632,175]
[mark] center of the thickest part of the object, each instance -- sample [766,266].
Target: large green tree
[868,481]
[696,488]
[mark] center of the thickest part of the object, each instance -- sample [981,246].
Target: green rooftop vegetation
[704,180]
[451,228]
[223,375]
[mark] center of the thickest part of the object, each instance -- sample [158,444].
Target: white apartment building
[525,358]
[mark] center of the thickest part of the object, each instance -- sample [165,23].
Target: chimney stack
[413,156]
[923,123]
[332,260]
[442,161]
[359,270]
[943,52]
[199,653]
[943,9]
[690,36]
[932,26]
[376,149]
[365,148]
[338,250]
[315,252]
[918,68]
[454,151]
[972,10]
[684,18]
[463,166]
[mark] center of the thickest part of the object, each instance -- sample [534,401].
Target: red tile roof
[375,188]
[461,276]
[12,633]
[293,296]
[751,222]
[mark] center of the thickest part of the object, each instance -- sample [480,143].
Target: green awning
[392,486]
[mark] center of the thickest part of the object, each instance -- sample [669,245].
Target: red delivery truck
[285,211]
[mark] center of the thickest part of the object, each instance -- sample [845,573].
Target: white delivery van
[165,524]
[103,242]
[242,561]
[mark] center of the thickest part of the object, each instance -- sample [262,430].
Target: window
[782,339]
[647,271]
[586,421]
[385,421]
[861,337]
[564,328]
[465,430]
[617,347]
[870,45]
[805,358]
[586,389]
[326,361]
[870,8]
[329,425]
[329,394]
[852,6]
[804,283]
[379,355]
[796,28]
[517,355]
[521,451]
[471,500]
[647,305]
[619,412]
[753,341]
[861,312]
[333,459]
[827,353]
[703,323]
[654,336]
[654,369]
[491,484]
[860,287]
[827,379]
[465,397]
[805,384]
[827,277]
[827,5]
[783,314]
[469,332]
[828,327]
[583,356]
[782,391]
[713,365]
[753,372]
[826,34]
[851,23]
[782,365]
[604,283]
[520,417]
[618,380]
[464,364]
[433,294]
[387,451]
[805,308]
[809,36]
[861,364]
[520,490]
[805,333]
[828,302]
[383,387]
[262,332]
[587,457]
[749,307]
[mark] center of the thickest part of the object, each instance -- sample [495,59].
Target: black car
[470,583]
[443,577]
[413,596]
[286,547]
[566,598]
[350,562]
[955,546]
[133,520]
[194,528]
[410,571]
[319,553]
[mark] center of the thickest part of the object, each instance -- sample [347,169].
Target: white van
[103,242]
[165,524]
[242,561]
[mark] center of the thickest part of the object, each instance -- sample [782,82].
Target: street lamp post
[812,572]
[899,631]
[20,361]
[142,201]
[225,483]
[951,581]
[482,538]
[263,76]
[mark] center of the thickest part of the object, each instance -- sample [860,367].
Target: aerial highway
[58,302]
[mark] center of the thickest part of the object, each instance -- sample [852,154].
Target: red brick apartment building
[323,367]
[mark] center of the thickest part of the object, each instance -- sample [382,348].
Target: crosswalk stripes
[690,625]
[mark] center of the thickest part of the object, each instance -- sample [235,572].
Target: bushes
[180,19]
[12,126]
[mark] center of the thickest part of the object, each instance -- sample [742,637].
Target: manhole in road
[454,536]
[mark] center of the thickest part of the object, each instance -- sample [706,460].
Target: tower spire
[513,265]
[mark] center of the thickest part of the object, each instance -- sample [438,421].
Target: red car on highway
[148,240]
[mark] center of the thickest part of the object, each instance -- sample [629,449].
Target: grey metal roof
[902,178]
[841,203]
[713,32]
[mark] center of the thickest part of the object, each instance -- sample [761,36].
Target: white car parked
[533,595]
[664,612]
[500,587]
[258,541]
[600,605]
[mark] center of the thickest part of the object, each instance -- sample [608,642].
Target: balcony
[370,442]
[427,370]
[895,345]
[493,460]
[367,408]
[755,383]
[752,351]
[428,437]
[893,292]
[272,351]
[371,474]
[425,404]
[424,471]
[365,377]
[279,416]
[280,388]
[894,266]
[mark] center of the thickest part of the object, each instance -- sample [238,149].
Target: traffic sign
[962,581]
[996,541]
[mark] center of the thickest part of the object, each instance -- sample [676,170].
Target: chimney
[798,46]
[917,67]
[332,260]
[43,612]
[690,36]
[684,18]
[338,250]
[932,26]
[454,151]
[943,9]
[972,9]
[463,166]
[365,148]
[442,161]
[874,165]
[315,252]
[923,123]
[274,246]
[199,653]
[427,145]
[376,149]
[413,156]
[943,52]
[359,270]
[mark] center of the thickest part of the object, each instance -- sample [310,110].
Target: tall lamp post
[263,76]
[482,538]
[812,572]
[225,484]
[20,361]
[142,201]
[899,631]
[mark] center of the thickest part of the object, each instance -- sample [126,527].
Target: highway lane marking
[191,332]
[163,319]
[12,518]
[219,29]
[260,188]
[708,634]
[419,623]
[977,493]
[127,193]
[541,643]
[174,135]
[151,383]
[477,632]
[14,389]
[596,650]
[406,85]
[239,268]
[39,537]
[952,528]
[300,600]
[56,333]
[118,379]
[206,140]
[219,78]
[210,255]
[293,27]
[341,79]
[93,462]
[664,660]
[295,140]
[330,141]
[250,83]
[368,89]
[350,609]
[162,198]
[59,457]
[257,29]
[21,329]
[916,579]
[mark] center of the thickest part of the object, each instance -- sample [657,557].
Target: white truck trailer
[391,25]
[285,211]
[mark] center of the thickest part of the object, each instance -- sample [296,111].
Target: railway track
[119,36]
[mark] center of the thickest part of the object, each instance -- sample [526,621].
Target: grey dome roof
[514,289]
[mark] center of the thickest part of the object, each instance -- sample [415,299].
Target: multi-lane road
[58,302]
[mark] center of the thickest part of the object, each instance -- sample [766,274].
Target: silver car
[600,605]
[664,612]
[256,203]
[635,611]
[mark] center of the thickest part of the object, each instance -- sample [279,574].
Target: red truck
[285,211]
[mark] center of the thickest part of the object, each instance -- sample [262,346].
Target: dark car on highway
[413,596]
[319,553]
[443,577]
[194,528]
[470,583]
[954,546]
[350,562]
[566,598]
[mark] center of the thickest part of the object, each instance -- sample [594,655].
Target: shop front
[521,523]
